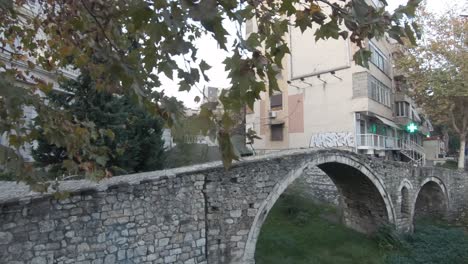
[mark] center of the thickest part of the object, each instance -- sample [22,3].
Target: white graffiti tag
[332,139]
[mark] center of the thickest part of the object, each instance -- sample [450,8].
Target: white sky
[209,51]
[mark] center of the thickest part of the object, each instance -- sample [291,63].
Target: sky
[209,51]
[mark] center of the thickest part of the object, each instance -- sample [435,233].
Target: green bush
[7,176]
[433,244]
[296,232]
[449,164]
[387,238]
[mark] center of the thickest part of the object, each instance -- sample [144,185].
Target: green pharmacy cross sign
[411,127]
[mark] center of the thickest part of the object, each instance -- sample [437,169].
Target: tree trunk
[461,156]
[445,139]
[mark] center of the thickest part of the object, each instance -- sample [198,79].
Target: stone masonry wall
[430,202]
[316,185]
[160,221]
[236,198]
[456,183]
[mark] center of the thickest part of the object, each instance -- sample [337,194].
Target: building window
[379,92]
[379,59]
[402,109]
[276,101]
[276,132]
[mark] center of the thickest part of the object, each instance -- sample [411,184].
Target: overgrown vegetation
[124,129]
[7,176]
[296,232]
[431,243]
[449,164]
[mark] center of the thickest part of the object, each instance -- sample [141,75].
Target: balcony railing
[414,151]
[409,148]
[374,141]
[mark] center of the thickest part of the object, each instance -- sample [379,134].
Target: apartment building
[328,101]
[28,81]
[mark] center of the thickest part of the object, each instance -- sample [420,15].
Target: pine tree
[131,135]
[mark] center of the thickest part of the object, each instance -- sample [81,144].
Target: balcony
[411,149]
[374,141]
[371,95]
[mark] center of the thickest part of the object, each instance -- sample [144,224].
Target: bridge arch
[404,198]
[431,199]
[330,164]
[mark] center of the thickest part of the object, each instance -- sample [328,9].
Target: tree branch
[100,27]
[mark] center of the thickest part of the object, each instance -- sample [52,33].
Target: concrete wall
[328,103]
[203,213]
[432,148]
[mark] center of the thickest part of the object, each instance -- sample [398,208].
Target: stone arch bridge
[205,214]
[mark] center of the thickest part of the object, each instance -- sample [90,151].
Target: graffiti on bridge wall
[332,139]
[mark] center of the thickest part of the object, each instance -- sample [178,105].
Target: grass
[296,232]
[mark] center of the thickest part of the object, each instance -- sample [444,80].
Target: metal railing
[407,144]
[377,141]
[409,148]
[414,151]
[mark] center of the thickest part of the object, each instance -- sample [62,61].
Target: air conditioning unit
[272,114]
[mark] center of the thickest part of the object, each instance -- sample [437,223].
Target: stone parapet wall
[160,221]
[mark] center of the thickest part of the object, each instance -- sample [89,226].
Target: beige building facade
[328,101]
